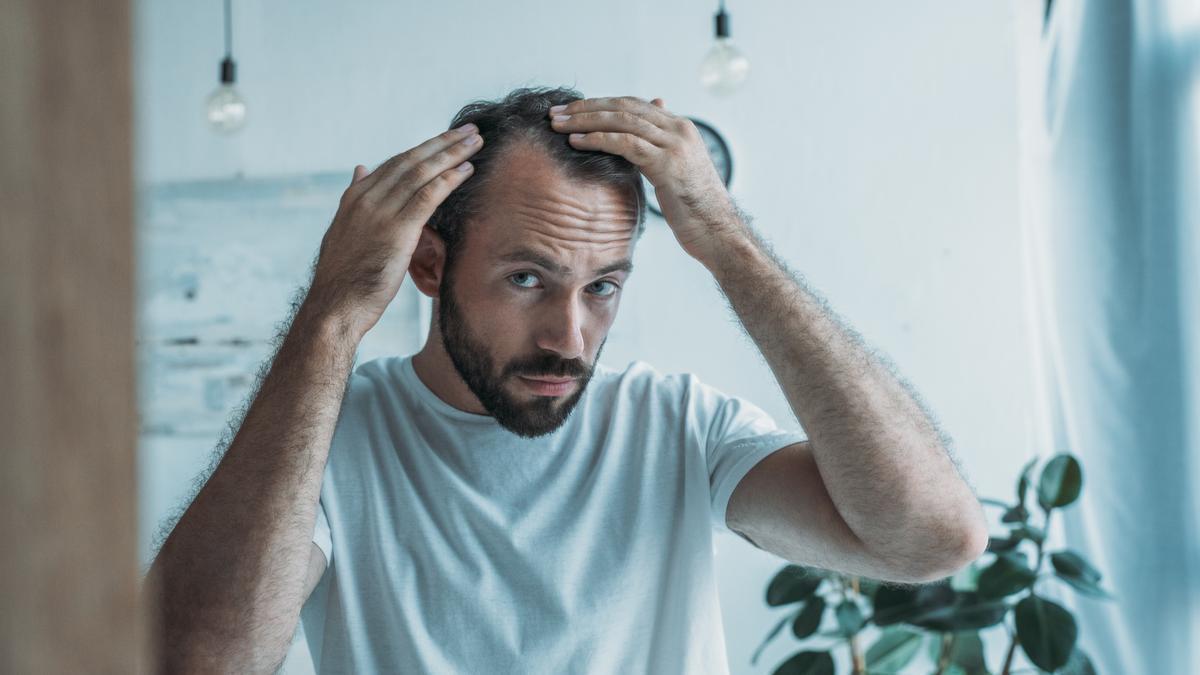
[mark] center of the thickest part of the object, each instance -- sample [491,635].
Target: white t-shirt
[455,546]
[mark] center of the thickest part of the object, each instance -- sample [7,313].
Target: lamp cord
[229,31]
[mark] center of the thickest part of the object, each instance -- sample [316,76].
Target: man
[502,502]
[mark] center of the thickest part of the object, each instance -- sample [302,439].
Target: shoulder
[641,383]
[638,373]
[374,388]
[369,378]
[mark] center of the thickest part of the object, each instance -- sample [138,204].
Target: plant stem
[1008,658]
[858,665]
[944,658]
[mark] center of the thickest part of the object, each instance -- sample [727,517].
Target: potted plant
[948,616]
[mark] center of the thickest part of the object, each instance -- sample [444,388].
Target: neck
[435,369]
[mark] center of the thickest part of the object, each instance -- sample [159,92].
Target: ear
[428,261]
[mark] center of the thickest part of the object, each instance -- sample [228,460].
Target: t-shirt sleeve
[321,536]
[739,435]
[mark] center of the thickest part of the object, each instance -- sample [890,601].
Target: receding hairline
[511,152]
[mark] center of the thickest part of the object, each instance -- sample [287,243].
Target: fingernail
[561,118]
[468,127]
[464,167]
[577,137]
[472,139]
[554,110]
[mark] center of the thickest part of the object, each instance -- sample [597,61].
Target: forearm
[231,574]
[885,465]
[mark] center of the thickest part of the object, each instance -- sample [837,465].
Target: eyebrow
[529,255]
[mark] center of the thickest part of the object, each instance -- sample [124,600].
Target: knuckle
[422,173]
[394,161]
[363,208]
[428,193]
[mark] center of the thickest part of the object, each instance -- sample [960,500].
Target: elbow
[970,544]
[946,554]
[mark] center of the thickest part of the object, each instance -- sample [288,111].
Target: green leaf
[791,584]
[1061,482]
[894,649]
[1046,631]
[850,617]
[1002,544]
[967,653]
[1007,575]
[894,604]
[1078,664]
[1017,514]
[807,663]
[868,587]
[1030,532]
[967,611]
[1073,569]
[770,636]
[1071,564]
[809,618]
[967,578]
[1023,482]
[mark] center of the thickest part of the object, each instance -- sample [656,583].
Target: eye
[612,288]
[516,279]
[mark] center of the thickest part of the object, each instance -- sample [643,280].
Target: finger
[659,102]
[399,184]
[420,208]
[359,172]
[401,162]
[656,115]
[612,120]
[633,148]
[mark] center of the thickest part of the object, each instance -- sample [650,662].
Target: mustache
[549,365]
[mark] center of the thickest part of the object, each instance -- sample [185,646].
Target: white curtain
[1110,105]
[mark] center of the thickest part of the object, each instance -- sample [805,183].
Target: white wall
[874,144]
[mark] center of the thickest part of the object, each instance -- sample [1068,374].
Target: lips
[550,380]
[556,386]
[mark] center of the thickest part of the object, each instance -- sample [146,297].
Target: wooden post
[68,560]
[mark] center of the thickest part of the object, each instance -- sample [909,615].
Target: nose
[562,328]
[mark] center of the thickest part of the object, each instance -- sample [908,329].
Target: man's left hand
[670,152]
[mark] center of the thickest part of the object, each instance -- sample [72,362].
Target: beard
[529,419]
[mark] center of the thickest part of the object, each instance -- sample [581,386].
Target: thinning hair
[523,116]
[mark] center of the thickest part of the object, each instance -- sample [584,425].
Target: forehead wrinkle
[603,218]
[532,254]
[559,250]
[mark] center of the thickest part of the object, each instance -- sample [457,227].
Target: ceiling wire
[229,31]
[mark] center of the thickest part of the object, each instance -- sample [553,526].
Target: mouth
[549,386]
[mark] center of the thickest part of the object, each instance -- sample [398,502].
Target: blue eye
[521,274]
[612,288]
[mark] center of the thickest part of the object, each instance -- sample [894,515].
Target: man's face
[534,289]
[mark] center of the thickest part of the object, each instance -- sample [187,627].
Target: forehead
[531,204]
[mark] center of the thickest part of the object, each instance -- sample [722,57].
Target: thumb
[359,172]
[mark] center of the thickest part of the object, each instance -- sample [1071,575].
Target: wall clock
[718,150]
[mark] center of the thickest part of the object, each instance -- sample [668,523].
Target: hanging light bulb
[226,107]
[724,67]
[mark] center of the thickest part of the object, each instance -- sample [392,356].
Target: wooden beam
[68,562]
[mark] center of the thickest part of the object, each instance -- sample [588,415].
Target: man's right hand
[367,249]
